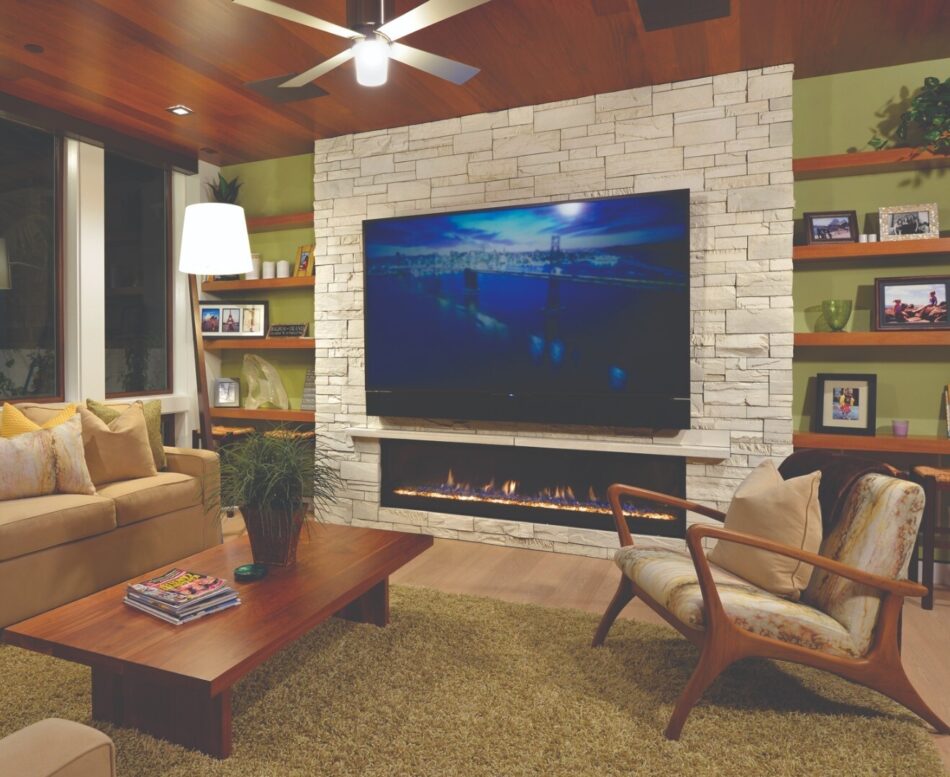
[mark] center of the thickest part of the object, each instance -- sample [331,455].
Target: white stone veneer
[727,138]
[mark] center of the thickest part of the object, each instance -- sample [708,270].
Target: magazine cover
[178,587]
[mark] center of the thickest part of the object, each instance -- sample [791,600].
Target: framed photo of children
[909,222]
[845,403]
[916,302]
[304,261]
[834,226]
[233,319]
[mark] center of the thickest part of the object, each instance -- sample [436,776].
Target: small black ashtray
[248,573]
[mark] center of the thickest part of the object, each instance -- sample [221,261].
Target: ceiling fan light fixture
[372,61]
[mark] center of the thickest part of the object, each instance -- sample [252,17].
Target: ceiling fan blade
[293,15]
[442,67]
[425,15]
[315,72]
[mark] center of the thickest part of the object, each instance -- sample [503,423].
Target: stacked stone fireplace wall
[727,138]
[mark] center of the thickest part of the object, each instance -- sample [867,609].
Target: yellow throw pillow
[784,511]
[15,421]
[153,422]
[118,450]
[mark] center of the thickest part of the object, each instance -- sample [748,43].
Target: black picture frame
[913,292]
[831,397]
[818,223]
[218,318]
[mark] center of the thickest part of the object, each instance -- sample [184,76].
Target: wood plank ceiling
[120,63]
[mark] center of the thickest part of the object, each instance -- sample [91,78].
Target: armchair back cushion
[875,533]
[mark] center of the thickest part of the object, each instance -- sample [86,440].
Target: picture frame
[831,226]
[227,392]
[846,403]
[911,303]
[909,222]
[232,318]
[304,265]
[946,407]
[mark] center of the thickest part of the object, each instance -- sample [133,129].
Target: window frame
[169,286]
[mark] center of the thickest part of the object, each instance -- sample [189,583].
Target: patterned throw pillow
[15,422]
[45,461]
[153,422]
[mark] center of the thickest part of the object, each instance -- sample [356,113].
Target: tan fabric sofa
[57,748]
[57,548]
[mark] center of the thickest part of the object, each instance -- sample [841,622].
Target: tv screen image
[572,312]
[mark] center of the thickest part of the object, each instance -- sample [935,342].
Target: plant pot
[274,535]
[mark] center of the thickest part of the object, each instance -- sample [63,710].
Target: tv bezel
[643,411]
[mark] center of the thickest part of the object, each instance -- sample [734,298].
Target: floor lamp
[213,242]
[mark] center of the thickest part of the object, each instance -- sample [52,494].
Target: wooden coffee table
[174,682]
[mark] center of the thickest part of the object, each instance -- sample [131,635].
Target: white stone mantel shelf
[689,443]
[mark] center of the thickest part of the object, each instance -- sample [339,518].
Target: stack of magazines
[179,596]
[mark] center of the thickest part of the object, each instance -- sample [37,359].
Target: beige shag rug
[468,686]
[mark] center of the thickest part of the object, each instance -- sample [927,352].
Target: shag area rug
[459,685]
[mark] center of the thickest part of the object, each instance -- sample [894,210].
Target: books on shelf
[179,596]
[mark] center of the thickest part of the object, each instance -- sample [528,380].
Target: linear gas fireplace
[537,485]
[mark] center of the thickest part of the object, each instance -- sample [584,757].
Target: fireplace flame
[559,497]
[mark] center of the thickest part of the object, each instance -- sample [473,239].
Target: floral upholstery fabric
[668,576]
[875,533]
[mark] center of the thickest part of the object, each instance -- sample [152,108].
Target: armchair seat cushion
[668,577]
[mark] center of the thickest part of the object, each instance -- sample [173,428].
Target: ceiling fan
[375,43]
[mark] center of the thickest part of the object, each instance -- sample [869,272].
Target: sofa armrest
[205,466]
[53,747]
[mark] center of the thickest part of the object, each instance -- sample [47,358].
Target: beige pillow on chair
[118,450]
[784,511]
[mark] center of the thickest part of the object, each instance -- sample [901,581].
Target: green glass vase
[836,313]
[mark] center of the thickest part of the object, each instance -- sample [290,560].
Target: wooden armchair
[846,623]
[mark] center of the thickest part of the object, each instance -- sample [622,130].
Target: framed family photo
[304,261]
[845,403]
[909,222]
[916,302]
[233,319]
[834,226]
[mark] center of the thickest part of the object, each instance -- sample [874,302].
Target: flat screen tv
[569,312]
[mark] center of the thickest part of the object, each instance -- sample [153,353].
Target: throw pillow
[153,422]
[118,450]
[784,511]
[72,473]
[15,421]
[29,467]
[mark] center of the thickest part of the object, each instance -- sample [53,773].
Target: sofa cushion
[118,450]
[153,423]
[40,522]
[143,498]
[669,577]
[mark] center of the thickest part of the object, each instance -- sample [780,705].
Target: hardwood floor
[558,580]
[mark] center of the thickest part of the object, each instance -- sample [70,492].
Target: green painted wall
[835,114]
[275,187]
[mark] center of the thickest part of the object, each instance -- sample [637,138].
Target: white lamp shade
[4,266]
[372,61]
[214,240]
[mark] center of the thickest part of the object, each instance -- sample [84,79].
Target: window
[138,353]
[30,277]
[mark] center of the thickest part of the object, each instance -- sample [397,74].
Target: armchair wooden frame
[722,642]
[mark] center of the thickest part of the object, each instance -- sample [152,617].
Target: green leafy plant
[273,476]
[926,122]
[224,190]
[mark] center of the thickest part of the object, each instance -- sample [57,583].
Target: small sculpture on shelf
[265,389]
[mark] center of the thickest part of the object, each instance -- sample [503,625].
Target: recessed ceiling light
[34,48]
[180,110]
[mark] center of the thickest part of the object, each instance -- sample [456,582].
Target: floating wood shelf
[851,251]
[880,444]
[260,284]
[866,162]
[243,414]
[901,339]
[259,343]
[276,223]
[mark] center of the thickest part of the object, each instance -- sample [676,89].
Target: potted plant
[928,118]
[224,190]
[274,477]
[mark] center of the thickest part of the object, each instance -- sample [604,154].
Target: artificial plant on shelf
[273,477]
[926,120]
[224,190]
